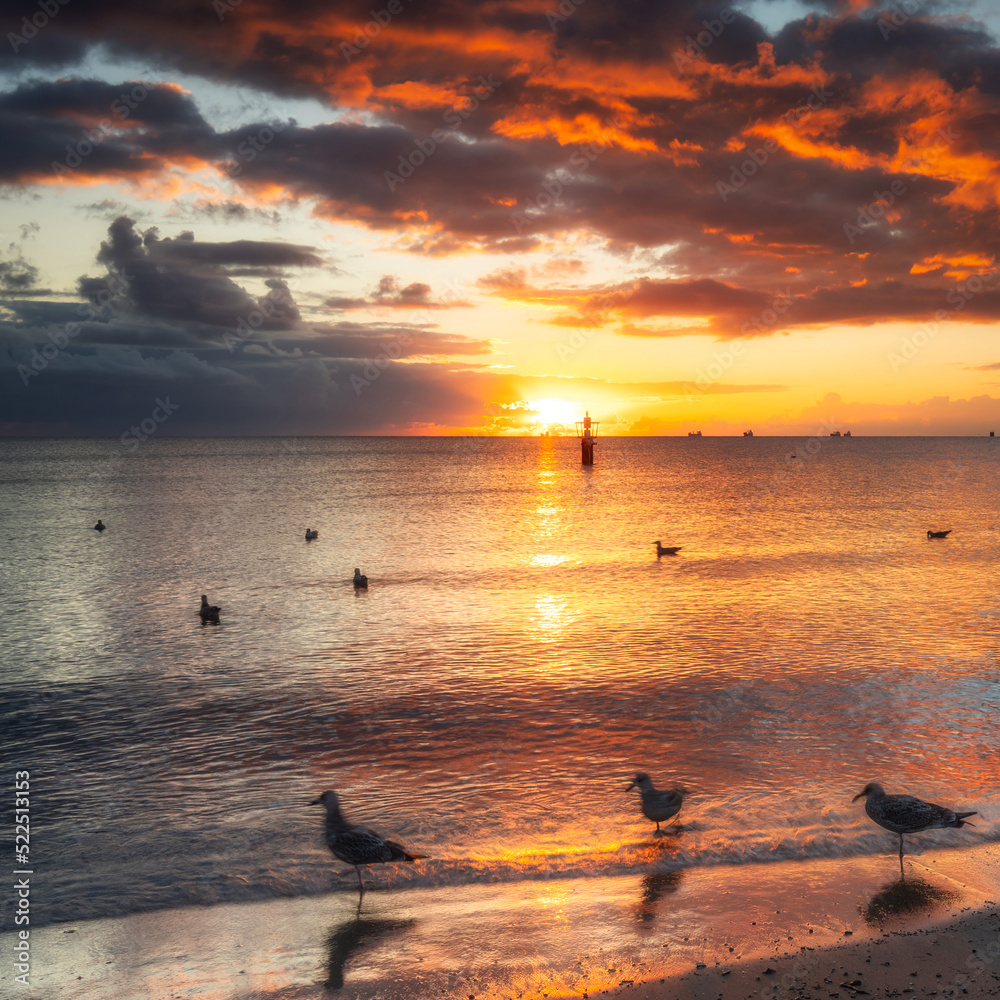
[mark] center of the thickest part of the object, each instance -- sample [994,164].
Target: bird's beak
[316,802]
[630,787]
[860,795]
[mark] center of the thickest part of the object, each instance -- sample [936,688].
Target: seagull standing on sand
[666,550]
[906,814]
[310,534]
[360,580]
[100,526]
[656,805]
[357,845]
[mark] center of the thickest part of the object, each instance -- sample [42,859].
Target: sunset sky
[420,217]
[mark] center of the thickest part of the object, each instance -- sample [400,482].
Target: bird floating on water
[666,550]
[939,534]
[906,814]
[358,845]
[100,526]
[360,580]
[208,612]
[310,534]
[656,805]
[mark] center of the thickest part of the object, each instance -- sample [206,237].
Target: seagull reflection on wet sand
[654,887]
[345,939]
[904,896]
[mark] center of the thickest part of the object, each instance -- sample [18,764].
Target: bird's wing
[400,853]
[361,846]
[907,811]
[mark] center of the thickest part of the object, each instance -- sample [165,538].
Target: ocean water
[520,653]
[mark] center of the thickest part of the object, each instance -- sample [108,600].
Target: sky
[416,217]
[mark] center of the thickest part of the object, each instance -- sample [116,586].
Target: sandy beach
[837,928]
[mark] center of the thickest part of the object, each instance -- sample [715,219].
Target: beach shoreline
[667,934]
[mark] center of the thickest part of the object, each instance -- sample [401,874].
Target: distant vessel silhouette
[694,434]
[748,434]
[835,434]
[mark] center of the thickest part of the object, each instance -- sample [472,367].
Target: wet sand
[790,929]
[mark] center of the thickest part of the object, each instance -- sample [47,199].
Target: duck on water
[208,612]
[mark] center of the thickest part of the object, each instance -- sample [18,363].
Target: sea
[520,653]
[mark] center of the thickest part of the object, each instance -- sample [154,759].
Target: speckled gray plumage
[907,814]
[357,845]
[657,805]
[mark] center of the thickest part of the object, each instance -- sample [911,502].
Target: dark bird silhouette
[939,534]
[906,814]
[656,805]
[310,534]
[100,526]
[208,612]
[666,550]
[360,580]
[357,845]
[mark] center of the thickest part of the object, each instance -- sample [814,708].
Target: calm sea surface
[519,654]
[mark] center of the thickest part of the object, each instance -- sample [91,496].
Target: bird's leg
[659,832]
[900,850]
[361,884]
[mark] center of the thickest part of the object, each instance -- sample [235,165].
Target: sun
[555,411]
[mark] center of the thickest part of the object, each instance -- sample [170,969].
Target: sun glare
[556,411]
